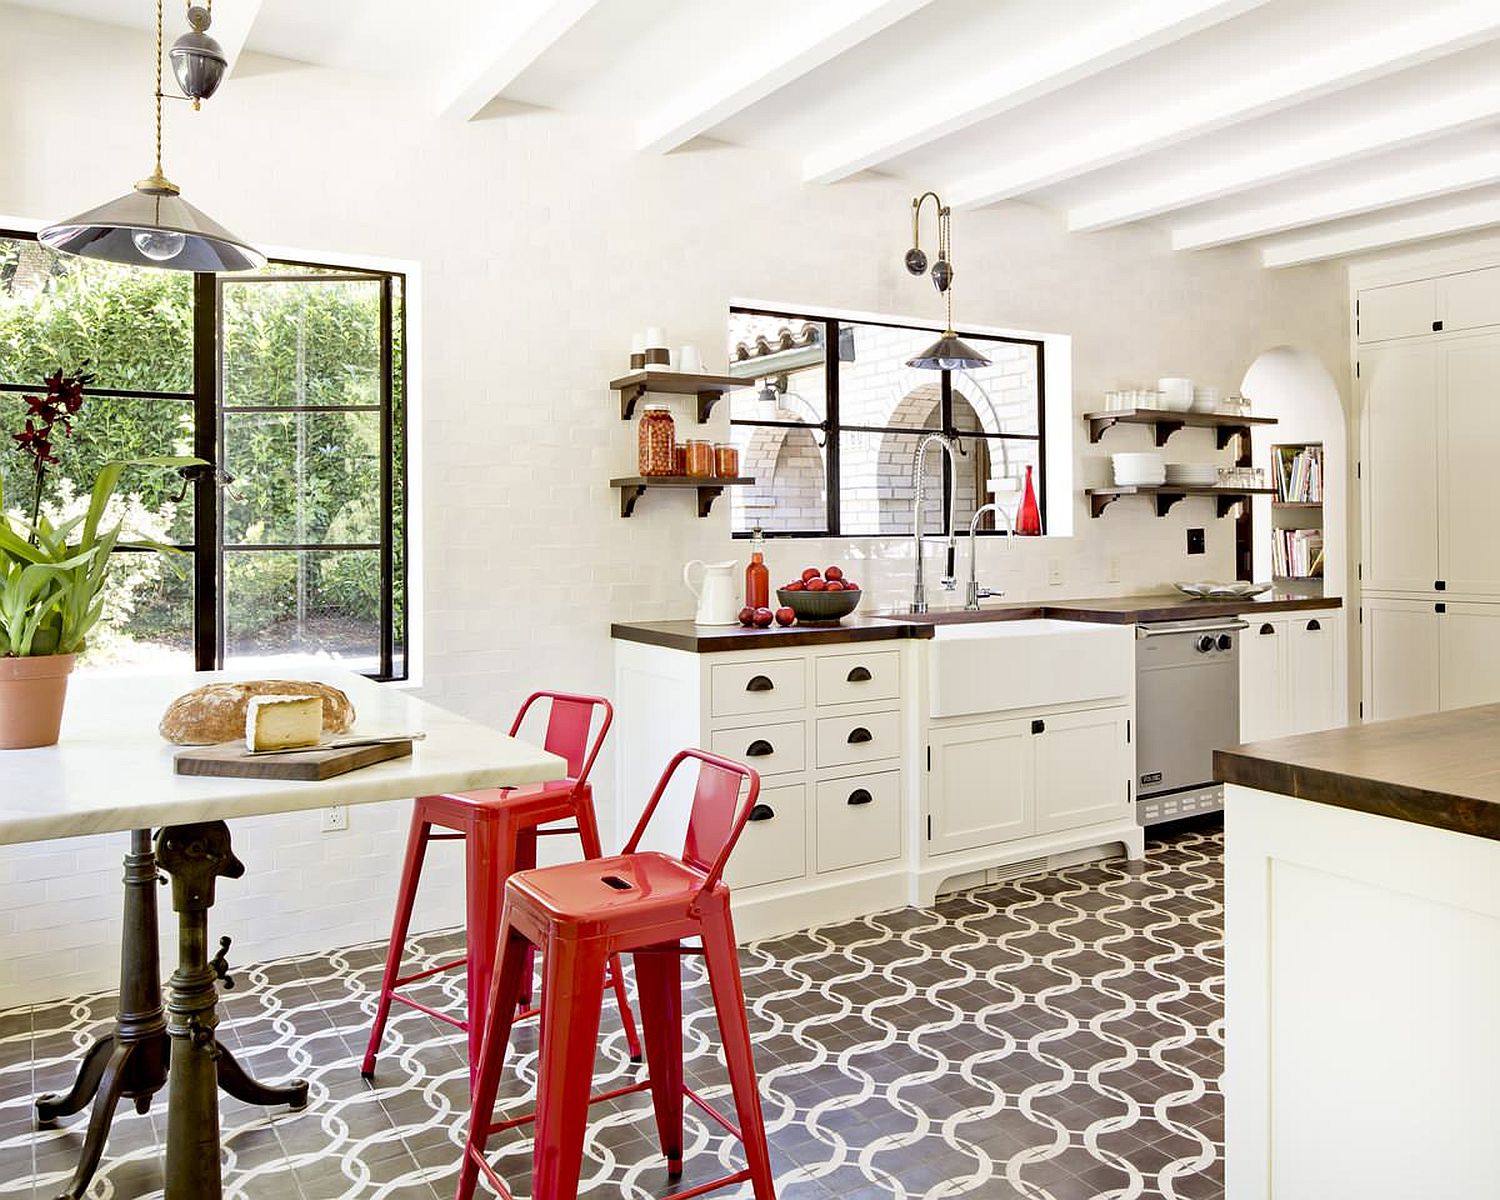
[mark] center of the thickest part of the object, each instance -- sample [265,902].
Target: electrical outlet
[1196,543]
[1114,570]
[1054,571]
[336,819]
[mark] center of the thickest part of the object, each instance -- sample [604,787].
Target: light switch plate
[1196,541]
[1054,571]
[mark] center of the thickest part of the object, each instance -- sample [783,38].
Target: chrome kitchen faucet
[950,580]
[975,593]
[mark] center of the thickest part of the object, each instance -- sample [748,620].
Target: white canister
[689,361]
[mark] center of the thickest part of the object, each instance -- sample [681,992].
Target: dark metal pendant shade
[949,353]
[153,229]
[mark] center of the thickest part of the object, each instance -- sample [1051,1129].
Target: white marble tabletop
[112,770]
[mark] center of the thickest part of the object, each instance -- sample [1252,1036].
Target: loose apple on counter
[763,618]
[746,617]
[786,616]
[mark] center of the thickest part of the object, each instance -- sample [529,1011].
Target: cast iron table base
[139,1058]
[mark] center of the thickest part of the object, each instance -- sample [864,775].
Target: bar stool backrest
[568,725]
[718,814]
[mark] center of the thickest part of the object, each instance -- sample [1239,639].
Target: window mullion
[831,432]
[206,609]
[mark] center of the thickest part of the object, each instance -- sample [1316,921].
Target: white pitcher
[718,601]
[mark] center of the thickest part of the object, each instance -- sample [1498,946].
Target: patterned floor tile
[1055,1037]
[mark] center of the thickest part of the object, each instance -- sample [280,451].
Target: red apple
[763,617]
[747,617]
[835,586]
[816,585]
[810,574]
[833,573]
[795,586]
[785,616]
[850,585]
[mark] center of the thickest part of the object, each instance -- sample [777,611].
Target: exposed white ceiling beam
[1460,218]
[1335,204]
[821,32]
[1120,35]
[518,35]
[231,28]
[1324,147]
[1377,50]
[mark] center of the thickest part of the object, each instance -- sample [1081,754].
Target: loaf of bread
[216,712]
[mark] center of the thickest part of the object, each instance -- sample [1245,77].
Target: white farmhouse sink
[992,666]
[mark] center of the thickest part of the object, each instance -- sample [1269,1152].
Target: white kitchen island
[111,772]
[1362,962]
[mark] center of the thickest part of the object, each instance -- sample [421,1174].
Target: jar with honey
[700,459]
[726,461]
[657,441]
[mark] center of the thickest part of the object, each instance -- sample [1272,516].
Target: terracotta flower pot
[32,692]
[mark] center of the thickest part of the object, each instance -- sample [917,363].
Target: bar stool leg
[515,949]
[526,861]
[489,849]
[658,977]
[729,1003]
[406,898]
[571,1001]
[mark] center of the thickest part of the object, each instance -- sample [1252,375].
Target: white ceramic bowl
[1176,393]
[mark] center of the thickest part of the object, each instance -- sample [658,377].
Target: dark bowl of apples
[821,596]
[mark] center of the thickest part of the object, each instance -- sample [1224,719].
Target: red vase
[1028,516]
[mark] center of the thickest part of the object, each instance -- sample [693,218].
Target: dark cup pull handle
[759,684]
[859,675]
[1267,629]
[859,796]
[1313,626]
[759,748]
[860,735]
[762,812]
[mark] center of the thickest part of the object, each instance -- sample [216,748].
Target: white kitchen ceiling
[1314,129]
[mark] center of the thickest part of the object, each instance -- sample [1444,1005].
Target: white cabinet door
[1313,662]
[1401,310]
[1263,679]
[1469,454]
[1401,658]
[980,787]
[1083,769]
[1400,468]
[1469,636]
[1471,299]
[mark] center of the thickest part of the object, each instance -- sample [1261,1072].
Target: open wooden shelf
[1168,494]
[633,487]
[1226,425]
[708,389]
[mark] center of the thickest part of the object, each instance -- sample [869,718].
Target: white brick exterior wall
[540,242]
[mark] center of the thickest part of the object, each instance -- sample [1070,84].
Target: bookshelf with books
[1297,517]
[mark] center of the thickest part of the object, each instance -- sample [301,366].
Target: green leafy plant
[52,573]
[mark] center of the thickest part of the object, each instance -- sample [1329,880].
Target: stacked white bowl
[1138,470]
[1193,474]
[1176,394]
[1205,399]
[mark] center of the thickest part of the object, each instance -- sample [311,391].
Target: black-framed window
[292,381]
[831,426]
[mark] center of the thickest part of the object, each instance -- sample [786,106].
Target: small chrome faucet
[975,593]
[950,580]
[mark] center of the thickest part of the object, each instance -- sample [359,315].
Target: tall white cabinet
[1429,371]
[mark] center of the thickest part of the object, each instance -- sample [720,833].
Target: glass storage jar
[700,459]
[726,461]
[658,439]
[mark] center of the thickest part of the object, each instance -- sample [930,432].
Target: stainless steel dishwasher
[1187,678]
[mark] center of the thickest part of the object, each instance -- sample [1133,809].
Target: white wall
[543,240]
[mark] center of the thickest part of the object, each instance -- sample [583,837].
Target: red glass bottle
[1028,516]
[757,574]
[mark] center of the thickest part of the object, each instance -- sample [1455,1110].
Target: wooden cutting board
[236,762]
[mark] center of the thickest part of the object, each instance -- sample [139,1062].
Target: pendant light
[950,352]
[152,225]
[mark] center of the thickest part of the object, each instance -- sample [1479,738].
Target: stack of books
[1297,553]
[1299,475]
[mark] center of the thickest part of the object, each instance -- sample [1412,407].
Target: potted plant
[52,572]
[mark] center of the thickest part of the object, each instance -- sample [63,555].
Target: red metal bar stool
[499,828]
[580,914]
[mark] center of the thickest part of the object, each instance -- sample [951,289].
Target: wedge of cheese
[283,722]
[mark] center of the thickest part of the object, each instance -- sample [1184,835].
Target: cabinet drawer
[757,687]
[846,678]
[770,749]
[858,820]
[848,740]
[774,844]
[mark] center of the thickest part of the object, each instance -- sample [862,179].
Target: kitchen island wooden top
[1442,769]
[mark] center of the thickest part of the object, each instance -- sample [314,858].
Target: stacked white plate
[1193,474]
[1138,470]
